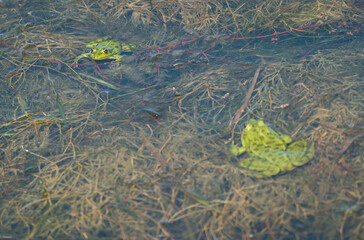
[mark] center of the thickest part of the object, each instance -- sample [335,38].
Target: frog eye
[104,51]
[247,126]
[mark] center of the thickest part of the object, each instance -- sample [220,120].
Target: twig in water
[247,98]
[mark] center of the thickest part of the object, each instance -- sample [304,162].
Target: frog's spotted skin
[105,48]
[268,151]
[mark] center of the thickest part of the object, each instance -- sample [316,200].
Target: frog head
[258,138]
[101,52]
[102,49]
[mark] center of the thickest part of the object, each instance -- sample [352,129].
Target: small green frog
[103,48]
[269,152]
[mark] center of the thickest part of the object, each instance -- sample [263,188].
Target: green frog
[270,153]
[105,48]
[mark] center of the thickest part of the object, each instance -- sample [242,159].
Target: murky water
[140,148]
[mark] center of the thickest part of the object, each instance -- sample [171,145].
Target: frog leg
[300,153]
[285,163]
[119,58]
[235,150]
[287,139]
[278,158]
[259,167]
[86,55]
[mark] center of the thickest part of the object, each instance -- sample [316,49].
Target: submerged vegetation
[139,148]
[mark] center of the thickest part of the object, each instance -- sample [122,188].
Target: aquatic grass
[114,171]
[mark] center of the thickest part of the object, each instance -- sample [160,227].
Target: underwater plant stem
[288,31]
[61,112]
[247,98]
[100,81]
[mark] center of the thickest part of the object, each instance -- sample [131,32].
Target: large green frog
[270,153]
[105,48]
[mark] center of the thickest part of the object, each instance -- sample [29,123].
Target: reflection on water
[137,147]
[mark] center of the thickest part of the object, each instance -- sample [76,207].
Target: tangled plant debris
[139,149]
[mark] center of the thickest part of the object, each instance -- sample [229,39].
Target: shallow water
[139,149]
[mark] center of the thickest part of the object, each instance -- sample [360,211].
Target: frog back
[258,138]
